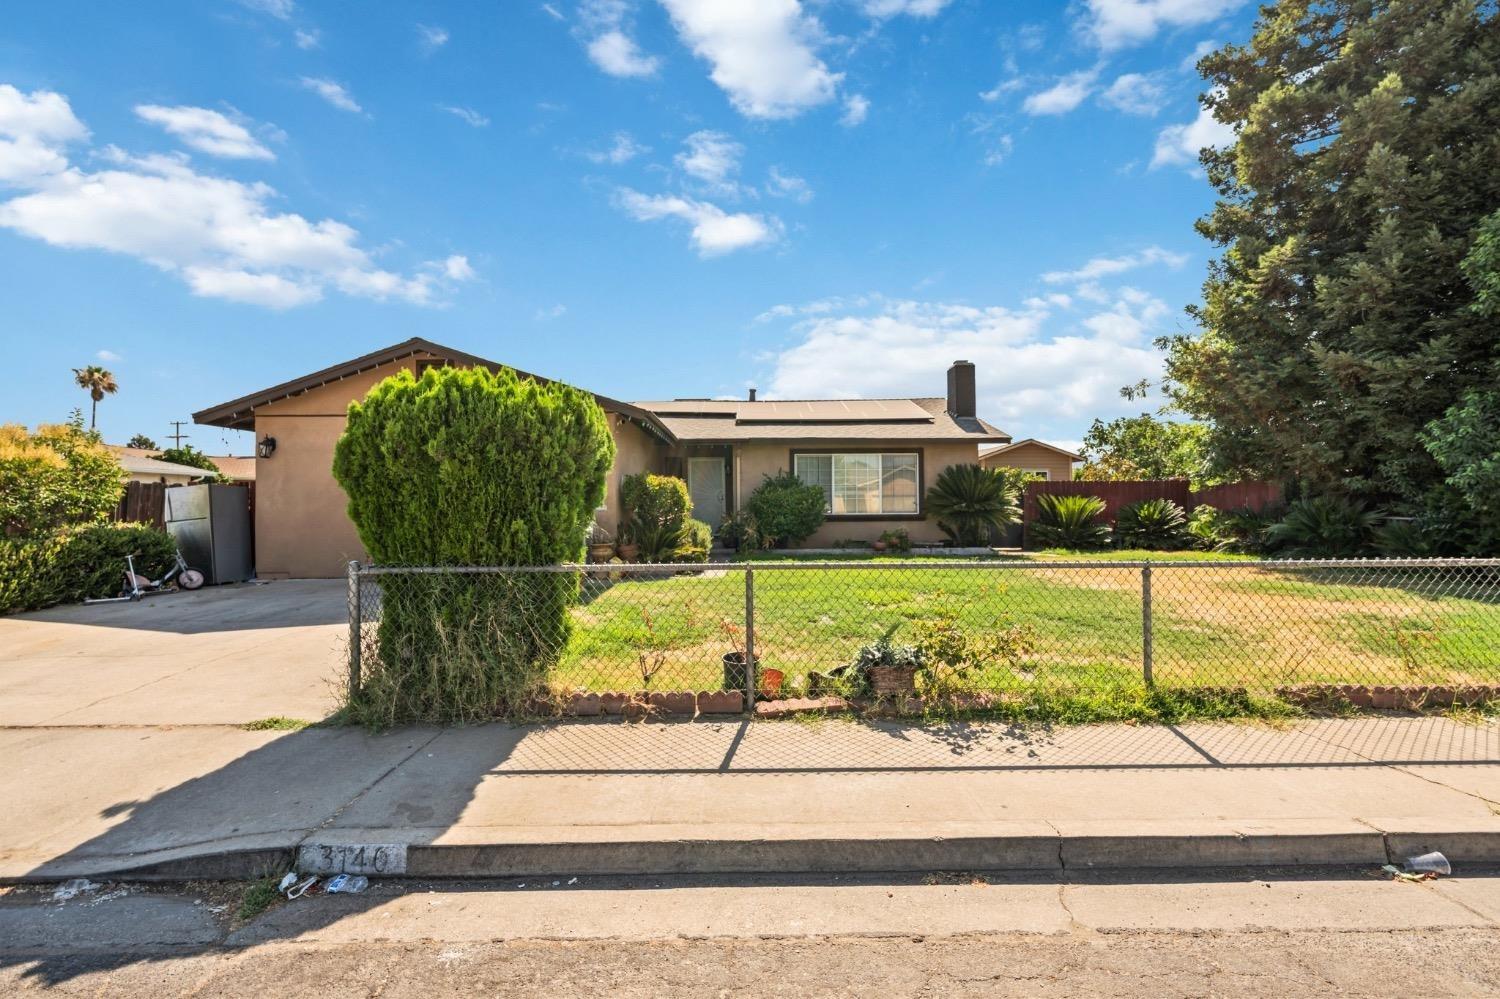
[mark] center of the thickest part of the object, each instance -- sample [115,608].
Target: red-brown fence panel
[142,503]
[1239,495]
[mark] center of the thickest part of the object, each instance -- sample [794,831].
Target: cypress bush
[464,467]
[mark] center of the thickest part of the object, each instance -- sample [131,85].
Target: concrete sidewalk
[733,796]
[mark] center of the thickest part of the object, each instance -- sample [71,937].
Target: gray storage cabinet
[211,524]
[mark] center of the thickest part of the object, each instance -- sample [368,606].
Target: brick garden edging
[1412,697]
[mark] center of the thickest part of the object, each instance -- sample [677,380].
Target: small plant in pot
[890,668]
[601,545]
[736,674]
[896,539]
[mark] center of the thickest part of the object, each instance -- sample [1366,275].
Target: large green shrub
[78,563]
[58,476]
[656,511]
[1069,522]
[192,457]
[970,501]
[1156,523]
[785,509]
[697,541]
[464,467]
[1323,527]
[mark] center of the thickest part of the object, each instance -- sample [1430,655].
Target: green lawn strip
[276,723]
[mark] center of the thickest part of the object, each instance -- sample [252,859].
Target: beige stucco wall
[1033,458]
[301,527]
[755,461]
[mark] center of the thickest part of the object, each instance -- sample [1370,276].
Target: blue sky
[646,199]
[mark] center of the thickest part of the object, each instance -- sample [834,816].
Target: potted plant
[601,545]
[736,673]
[626,547]
[890,668]
[879,544]
[739,531]
[896,539]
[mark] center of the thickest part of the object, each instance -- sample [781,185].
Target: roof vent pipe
[961,390]
[752,395]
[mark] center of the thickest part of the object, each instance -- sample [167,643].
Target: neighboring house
[1047,461]
[143,466]
[874,457]
[235,469]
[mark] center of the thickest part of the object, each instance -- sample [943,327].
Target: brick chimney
[961,389]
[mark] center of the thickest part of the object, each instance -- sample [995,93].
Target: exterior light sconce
[266,447]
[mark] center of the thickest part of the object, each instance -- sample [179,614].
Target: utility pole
[178,436]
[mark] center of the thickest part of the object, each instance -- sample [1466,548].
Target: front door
[706,487]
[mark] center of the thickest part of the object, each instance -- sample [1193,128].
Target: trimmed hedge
[786,509]
[466,467]
[76,564]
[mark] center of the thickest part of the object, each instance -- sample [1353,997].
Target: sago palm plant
[969,501]
[1069,522]
[1152,523]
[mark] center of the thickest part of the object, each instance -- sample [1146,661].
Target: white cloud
[280,9]
[550,313]
[713,158]
[431,38]
[1117,24]
[307,38]
[1002,88]
[1063,96]
[762,53]
[218,235]
[856,110]
[1179,145]
[890,8]
[1135,93]
[468,115]
[553,12]
[622,149]
[618,55]
[1100,267]
[1190,61]
[206,131]
[1029,360]
[606,25]
[999,150]
[33,128]
[714,231]
[334,93]
[786,185]
[108,355]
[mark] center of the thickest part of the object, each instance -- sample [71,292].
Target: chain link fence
[494,637]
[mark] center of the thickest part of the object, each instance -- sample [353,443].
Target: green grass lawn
[1213,625]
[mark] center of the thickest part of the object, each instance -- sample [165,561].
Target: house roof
[239,414]
[1003,448]
[233,467]
[812,420]
[137,461]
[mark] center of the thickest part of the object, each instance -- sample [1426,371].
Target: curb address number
[367,858]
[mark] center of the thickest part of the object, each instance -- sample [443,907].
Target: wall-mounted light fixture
[266,447]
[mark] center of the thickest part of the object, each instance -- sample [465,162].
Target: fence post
[354,630]
[1146,636]
[749,639]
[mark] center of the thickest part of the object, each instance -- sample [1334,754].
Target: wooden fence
[143,503]
[1115,494]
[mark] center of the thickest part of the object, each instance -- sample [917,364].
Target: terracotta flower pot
[769,682]
[629,552]
[878,546]
[601,552]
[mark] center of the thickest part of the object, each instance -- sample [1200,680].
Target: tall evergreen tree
[1338,324]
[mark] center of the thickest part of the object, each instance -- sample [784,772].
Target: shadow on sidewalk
[290,788]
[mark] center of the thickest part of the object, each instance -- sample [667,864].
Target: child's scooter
[180,576]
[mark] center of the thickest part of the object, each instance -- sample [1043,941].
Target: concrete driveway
[225,655]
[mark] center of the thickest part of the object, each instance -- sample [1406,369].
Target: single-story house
[875,458]
[1046,461]
[143,466]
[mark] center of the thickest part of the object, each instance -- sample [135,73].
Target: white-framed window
[1040,473]
[863,484]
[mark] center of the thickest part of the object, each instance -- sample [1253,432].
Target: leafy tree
[969,501]
[1337,325]
[464,467]
[58,476]
[142,442]
[98,383]
[192,457]
[1144,447]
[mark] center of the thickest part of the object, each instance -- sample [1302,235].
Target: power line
[177,437]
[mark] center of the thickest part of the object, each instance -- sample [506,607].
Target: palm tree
[98,383]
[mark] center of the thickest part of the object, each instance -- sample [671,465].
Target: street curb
[829,855]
